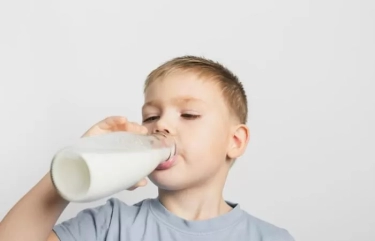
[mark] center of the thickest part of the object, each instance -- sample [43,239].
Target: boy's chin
[168,182]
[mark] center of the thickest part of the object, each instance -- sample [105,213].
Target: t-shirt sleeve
[88,225]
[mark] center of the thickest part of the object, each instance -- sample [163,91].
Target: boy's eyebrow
[178,100]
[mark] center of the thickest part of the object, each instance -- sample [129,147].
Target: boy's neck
[195,203]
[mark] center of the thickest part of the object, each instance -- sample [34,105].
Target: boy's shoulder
[115,220]
[100,222]
[266,230]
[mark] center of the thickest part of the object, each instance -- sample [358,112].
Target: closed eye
[149,119]
[190,116]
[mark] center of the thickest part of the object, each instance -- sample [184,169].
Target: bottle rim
[169,137]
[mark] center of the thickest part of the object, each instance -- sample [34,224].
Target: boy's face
[194,112]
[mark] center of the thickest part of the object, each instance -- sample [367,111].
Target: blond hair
[232,89]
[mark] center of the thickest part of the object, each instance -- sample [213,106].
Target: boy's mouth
[167,164]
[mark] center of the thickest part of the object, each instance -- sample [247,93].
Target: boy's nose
[162,126]
[165,131]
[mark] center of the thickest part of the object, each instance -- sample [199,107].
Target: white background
[308,68]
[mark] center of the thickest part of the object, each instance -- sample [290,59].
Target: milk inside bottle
[99,166]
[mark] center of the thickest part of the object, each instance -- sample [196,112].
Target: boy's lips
[167,164]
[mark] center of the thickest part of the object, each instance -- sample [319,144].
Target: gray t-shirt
[149,220]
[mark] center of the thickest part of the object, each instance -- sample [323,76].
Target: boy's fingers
[112,121]
[121,123]
[115,123]
[141,183]
[134,127]
[144,130]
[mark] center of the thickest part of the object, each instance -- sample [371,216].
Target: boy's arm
[34,216]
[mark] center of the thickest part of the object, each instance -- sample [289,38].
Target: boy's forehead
[182,86]
[185,88]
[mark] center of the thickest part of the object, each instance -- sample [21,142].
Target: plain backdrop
[308,68]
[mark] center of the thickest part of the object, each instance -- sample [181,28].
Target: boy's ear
[239,139]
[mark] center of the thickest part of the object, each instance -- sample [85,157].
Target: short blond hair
[232,89]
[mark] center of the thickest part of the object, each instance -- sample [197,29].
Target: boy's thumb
[142,183]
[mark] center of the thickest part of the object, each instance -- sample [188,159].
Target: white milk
[99,166]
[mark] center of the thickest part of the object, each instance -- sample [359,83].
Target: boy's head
[204,107]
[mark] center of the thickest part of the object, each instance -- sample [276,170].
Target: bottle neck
[166,141]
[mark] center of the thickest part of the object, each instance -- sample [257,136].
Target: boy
[203,106]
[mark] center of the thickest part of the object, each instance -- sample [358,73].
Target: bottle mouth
[173,151]
[168,141]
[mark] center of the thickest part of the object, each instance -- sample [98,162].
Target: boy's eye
[152,118]
[190,116]
[185,116]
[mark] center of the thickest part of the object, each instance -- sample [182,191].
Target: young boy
[203,106]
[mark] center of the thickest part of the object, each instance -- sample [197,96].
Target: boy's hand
[118,123]
[115,123]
